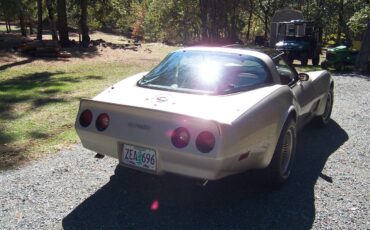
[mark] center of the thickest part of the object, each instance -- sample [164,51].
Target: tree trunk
[22,24]
[203,19]
[7,26]
[30,25]
[362,62]
[249,25]
[214,25]
[265,21]
[62,23]
[233,36]
[51,20]
[31,28]
[340,21]
[83,24]
[39,19]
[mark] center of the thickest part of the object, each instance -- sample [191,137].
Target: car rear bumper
[181,163]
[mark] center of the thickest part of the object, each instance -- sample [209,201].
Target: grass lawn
[39,98]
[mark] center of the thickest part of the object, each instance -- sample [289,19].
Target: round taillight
[180,137]
[86,118]
[205,142]
[102,122]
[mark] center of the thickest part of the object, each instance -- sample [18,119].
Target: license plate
[139,157]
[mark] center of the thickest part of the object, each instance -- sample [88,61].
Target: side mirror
[303,77]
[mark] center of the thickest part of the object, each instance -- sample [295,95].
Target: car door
[302,90]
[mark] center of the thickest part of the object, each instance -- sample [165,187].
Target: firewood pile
[45,48]
[50,48]
[131,45]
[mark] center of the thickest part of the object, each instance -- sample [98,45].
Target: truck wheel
[304,59]
[281,164]
[339,67]
[316,59]
[324,65]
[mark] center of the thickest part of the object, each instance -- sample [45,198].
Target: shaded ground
[127,199]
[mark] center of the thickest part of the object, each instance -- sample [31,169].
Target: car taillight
[86,118]
[180,137]
[102,122]
[205,141]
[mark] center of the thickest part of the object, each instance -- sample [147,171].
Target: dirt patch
[119,49]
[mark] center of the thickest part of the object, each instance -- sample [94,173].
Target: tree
[249,7]
[53,30]
[83,24]
[22,23]
[62,23]
[5,6]
[362,61]
[39,19]
[358,22]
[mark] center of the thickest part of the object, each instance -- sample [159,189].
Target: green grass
[39,100]
[15,29]
[307,68]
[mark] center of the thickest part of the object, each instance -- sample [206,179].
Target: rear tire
[316,60]
[324,65]
[304,59]
[339,67]
[281,164]
[290,59]
[324,119]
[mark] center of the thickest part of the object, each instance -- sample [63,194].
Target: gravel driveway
[329,188]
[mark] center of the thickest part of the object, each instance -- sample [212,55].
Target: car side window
[286,73]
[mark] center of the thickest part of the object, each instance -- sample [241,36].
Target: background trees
[181,21]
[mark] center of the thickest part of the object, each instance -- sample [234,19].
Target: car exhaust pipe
[99,156]
[202,182]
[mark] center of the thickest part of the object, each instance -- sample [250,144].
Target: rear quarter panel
[257,130]
[321,82]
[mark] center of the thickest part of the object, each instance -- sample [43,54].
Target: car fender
[321,82]
[259,128]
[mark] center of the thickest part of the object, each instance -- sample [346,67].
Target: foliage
[357,23]
[192,21]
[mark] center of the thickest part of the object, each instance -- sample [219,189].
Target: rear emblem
[139,126]
[161,99]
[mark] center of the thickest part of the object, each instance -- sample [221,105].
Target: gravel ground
[329,188]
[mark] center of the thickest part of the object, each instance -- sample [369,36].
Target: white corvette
[208,113]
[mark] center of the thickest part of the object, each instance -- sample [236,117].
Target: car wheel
[325,117]
[281,164]
[304,59]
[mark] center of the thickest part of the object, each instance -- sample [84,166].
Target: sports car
[207,113]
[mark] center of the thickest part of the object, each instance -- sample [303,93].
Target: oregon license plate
[139,157]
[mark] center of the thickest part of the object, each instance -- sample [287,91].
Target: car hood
[220,108]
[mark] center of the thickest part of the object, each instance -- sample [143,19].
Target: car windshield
[207,72]
[295,38]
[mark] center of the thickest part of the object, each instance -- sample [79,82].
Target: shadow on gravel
[134,200]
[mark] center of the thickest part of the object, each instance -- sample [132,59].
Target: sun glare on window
[209,72]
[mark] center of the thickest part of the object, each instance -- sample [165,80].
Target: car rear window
[207,72]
